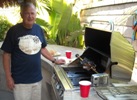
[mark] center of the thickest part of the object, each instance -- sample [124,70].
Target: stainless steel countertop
[60,49]
[103,93]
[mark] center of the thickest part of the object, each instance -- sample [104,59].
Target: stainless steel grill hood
[122,52]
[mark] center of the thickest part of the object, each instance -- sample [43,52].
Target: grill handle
[110,68]
[101,21]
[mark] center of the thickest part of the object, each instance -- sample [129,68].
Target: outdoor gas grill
[103,52]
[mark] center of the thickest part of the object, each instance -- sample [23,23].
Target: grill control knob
[54,76]
[61,93]
[57,86]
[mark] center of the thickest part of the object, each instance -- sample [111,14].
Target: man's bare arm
[6,65]
[47,55]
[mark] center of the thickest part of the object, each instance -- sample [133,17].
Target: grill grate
[119,92]
[123,90]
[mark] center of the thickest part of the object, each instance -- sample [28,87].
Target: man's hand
[10,82]
[60,61]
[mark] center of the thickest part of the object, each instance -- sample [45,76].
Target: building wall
[120,12]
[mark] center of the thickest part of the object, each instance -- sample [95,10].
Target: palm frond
[75,39]
[63,25]
[45,25]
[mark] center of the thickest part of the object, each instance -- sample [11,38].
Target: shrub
[4,26]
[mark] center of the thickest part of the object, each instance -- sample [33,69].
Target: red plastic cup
[68,54]
[84,88]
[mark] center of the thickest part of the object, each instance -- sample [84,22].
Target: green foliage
[4,26]
[63,25]
[75,36]
[43,6]
[74,23]
[57,9]
[45,25]
[75,39]
[66,29]
[72,35]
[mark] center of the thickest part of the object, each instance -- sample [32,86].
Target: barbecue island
[111,53]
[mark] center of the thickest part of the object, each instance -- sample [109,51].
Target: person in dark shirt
[134,27]
[23,46]
[134,36]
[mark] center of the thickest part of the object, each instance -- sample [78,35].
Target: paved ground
[5,95]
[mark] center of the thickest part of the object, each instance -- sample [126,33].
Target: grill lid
[98,39]
[116,47]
